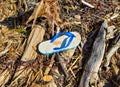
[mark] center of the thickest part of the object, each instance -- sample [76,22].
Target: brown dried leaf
[47,78]
[48,9]
[53,11]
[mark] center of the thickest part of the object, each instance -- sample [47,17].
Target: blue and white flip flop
[60,42]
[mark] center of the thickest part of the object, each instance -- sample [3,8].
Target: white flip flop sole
[47,47]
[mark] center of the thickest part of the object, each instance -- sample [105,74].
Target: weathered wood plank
[35,37]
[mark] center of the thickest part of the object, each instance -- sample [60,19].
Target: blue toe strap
[64,44]
[55,37]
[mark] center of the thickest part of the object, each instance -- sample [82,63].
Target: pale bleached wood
[87,4]
[35,37]
[95,59]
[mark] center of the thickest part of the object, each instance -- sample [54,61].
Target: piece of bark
[35,37]
[96,57]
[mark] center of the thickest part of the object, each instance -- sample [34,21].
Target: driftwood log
[94,62]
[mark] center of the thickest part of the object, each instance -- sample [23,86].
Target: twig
[6,49]
[62,65]
[73,63]
[72,73]
[115,15]
[70,68]
[87,4]
[117,85]
[49,67]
